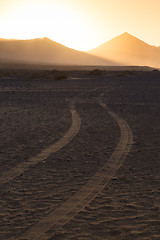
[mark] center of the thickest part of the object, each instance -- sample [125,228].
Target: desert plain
[61,133]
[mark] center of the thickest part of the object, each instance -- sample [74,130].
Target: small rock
[114,178]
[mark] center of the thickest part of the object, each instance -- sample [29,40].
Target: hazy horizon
[14,39]
[80,25]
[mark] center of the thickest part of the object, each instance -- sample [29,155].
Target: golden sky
[80,24]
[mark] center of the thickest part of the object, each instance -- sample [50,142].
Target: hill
[46,51]
[129,50]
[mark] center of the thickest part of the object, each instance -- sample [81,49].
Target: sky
[80,24]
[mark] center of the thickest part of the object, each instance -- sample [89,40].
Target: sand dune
[46,51]
[122,50]
[129,50]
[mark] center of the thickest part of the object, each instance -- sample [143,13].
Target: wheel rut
[70,134]
[45,228]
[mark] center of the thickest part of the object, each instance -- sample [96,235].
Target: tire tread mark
[70,134]
[44,229]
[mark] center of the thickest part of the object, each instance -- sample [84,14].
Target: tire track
[71,133]
[44,229]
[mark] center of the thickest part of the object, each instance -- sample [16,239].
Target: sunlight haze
[80,25]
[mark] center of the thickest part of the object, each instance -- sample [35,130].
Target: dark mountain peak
[44,50]
[126,34]
[125,40]
[128,50]
[45,39]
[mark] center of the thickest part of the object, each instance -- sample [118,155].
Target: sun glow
[80,24]
[57,22]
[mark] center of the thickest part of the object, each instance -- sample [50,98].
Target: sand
[35,114]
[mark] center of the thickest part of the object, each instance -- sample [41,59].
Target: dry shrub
[96,72]
[60,76]
[125,73]
[51,75]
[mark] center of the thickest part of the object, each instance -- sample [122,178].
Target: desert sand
[79,155]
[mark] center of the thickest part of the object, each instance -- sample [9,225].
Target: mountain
[128,50]
[46,51]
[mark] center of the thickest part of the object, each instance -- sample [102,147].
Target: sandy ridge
[44,229]
[71,133]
